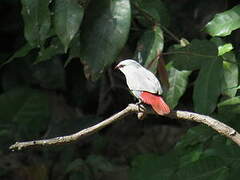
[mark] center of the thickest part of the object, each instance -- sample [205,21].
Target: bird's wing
[141,79]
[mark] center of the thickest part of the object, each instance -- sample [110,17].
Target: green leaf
[208,86]
[234,172]
[49,74]
[155,9]
[208,168]
[36,16]
[104,34]
[224,48]
[75,165]
[178,83]
[153,167]
[49,52]
[230,74]
[27,108]
[192,56]
[190,157]
[149,48]
[229,153]
[74,49]
[23,51]
[230,67]
[67,19]
[224,23]
[195,135]
[231,105]
[100,163]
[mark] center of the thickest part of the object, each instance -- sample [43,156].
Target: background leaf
[49,74]
[67,19]
[224,23]
[230,74]
[104,34]
[209,168]
[156,9]
[178,83]
[230,67]
[192,56]
[152,167]
[149,48]
[231,105]
[208,86]
[36,16]
[26,108]
[74,48]
[23,51]
[55,48]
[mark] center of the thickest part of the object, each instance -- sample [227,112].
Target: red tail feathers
[156,101]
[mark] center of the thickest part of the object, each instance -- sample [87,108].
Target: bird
[144,85]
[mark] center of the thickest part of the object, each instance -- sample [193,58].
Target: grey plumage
[139,78]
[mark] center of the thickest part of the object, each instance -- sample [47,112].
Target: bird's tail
[156,101]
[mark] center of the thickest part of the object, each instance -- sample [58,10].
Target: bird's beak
[116,67]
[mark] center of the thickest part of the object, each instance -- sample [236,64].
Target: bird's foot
[141,110]
[141,107]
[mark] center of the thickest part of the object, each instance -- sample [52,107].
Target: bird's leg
[141,107]
[139,102]
[141,110]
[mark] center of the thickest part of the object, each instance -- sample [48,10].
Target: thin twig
[132,108]
[154,22]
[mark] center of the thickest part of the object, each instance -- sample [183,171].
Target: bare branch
[76,136]
[211,122]
[132,108]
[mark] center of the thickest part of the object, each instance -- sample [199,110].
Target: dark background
[74,103]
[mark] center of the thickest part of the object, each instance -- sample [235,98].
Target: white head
[127,65]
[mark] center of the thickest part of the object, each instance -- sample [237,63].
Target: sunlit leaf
[224,23]
[230,74]
[224,48]
[67,19]
[230,67]
[208,86]
[104,34]
[36,16]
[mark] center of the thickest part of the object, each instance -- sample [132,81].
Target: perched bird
[144,85]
